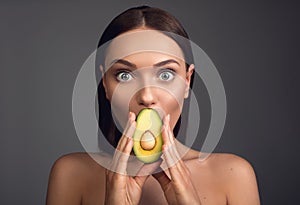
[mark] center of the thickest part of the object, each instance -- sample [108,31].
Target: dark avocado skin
[148,120]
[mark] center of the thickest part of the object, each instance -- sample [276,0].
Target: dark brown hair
[152,18]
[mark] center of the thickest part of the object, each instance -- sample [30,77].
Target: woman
[131,81]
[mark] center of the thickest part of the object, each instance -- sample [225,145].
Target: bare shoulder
[237,177]
[69,177]
[79,165]
[229,164]
[76,162]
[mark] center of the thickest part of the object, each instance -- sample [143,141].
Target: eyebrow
[162,63]
[159,64]
[124,62]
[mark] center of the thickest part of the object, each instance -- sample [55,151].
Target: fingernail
[162,128]
[166,119]
[131,117]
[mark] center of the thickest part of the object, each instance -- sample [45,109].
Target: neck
[186,153]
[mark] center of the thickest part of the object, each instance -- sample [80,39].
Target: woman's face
[147,79]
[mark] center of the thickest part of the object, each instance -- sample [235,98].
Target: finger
[168,137]
[168,145]
[178,163]
[178,168]
[123,147]
[173,160]
[145,171]
[125,153]
[148,169]
[170,133]
[128,134]
[122,141]
[168,157]
[120,162]
[173,149]
[165,133]
[162,179]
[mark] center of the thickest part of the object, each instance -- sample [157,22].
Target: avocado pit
[148,141]
[147,136]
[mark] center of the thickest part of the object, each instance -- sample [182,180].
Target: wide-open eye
[124,76]
[166,75]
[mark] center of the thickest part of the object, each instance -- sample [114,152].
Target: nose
[146,97]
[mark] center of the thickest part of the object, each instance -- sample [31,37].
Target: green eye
[124,76]
[166,75]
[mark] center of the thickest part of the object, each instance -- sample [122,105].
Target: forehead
[149,59]
[151,42]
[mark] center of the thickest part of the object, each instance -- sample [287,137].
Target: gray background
[254,45]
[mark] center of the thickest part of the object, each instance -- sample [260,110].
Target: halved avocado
[147,136]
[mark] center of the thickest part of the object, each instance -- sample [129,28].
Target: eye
[166,75]
[124,76]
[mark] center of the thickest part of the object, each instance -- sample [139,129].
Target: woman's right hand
[121,188]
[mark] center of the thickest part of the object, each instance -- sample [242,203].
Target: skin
[220,179]
[146,89]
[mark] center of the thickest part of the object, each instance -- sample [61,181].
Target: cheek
[175,92]
[173,108]
[120,97]
[123,98]
[172,101]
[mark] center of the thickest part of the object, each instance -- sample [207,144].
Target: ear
[189,74]
[103,80]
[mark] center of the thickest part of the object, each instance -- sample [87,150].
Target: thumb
[162,178]
[146,171]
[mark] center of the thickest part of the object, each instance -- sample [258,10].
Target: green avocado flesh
[147,136]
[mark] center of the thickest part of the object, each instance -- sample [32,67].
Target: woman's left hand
[179,189]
